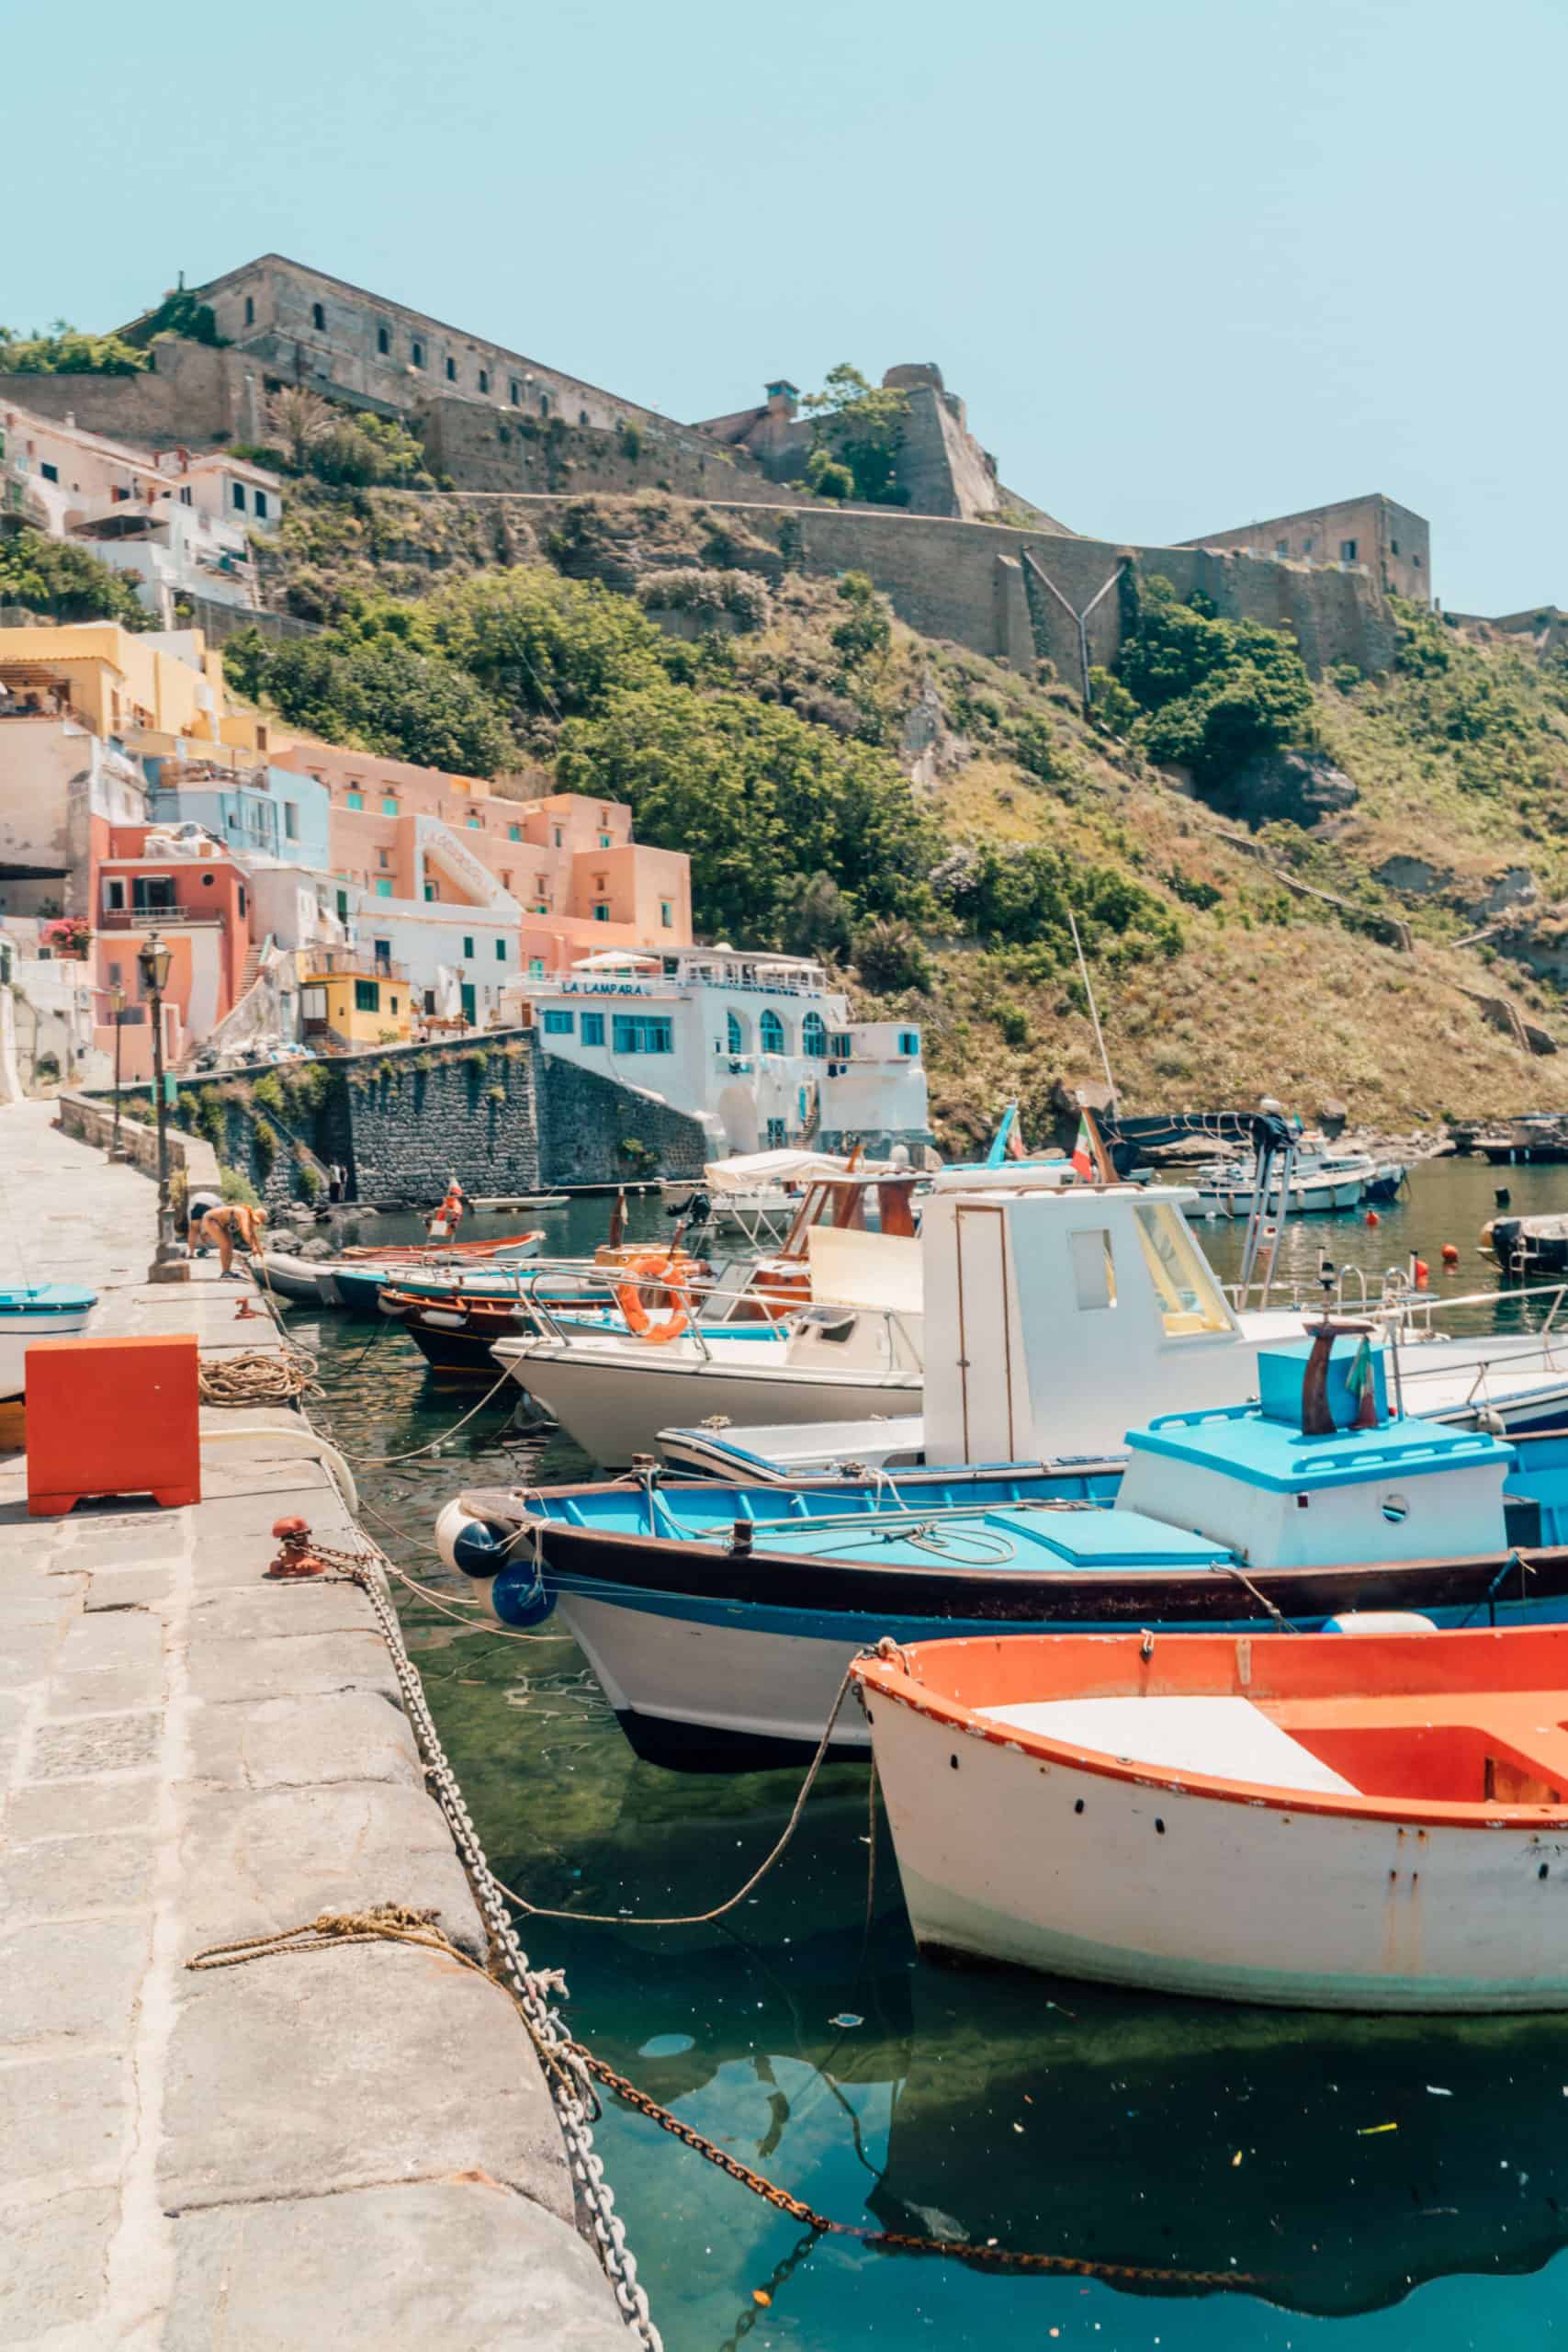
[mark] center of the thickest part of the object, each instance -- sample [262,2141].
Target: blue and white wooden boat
[720,1621]
[30,1311]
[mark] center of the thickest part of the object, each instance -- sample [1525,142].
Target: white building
[180,522]
[759,1048]
[458,952]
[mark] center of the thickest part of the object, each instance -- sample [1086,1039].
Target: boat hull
[19,1332]
[718,1661]
[1127,1881]
[613,1410]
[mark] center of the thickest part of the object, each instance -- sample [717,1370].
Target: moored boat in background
[33,1311]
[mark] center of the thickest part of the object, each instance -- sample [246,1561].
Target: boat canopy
[747,1169]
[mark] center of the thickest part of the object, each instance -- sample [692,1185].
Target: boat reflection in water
[1131,2130]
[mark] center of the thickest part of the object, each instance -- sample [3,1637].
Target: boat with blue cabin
[720,1621]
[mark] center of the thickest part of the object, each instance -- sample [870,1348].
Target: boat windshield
[1190,1298]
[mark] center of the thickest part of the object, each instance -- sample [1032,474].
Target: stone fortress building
[1387,541]
[959,555]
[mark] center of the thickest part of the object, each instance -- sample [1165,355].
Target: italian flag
[1083,1151]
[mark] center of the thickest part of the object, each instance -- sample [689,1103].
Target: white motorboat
[1230,1188]
[613,1393]
[33,1311]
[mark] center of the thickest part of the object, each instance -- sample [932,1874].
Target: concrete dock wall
[353,2147]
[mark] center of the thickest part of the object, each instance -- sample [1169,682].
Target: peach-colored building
[570,861]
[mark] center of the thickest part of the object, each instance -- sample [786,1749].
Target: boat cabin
[1288,1483]
[1039,1293]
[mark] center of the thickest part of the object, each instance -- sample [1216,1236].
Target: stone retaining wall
[491,1109]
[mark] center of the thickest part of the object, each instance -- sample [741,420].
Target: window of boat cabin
[1189,1299]
[1094,1268]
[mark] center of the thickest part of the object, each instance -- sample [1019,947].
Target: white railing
[703,1321]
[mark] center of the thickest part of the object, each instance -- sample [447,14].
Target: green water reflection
[803,2036]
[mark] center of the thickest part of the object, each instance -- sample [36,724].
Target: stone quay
[353,2147]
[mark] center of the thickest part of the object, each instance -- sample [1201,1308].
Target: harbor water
[1383,2182]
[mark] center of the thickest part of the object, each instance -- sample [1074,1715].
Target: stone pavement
[353,2148]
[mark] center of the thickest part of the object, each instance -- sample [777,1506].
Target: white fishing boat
[33,1311]
[1309,1820]
[1231,1188]
[853,1349]
[612,1393]
[1057,1314]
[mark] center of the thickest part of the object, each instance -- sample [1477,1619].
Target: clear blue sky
[1188,265]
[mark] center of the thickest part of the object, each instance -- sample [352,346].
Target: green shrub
[1215,694]
[1013,1023]
[889,958]
[267,1094]
[66,351]
[827,477]
[264,1138]
[62,581]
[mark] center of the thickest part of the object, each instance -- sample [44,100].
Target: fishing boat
[720,1621]
[613,1391]
[1527,1246]
[355,1282]
[366,1265]
[853,1349]
[1315,1821]
[32,1311]
[1059,1312]
[458,1331]
[1232,1187]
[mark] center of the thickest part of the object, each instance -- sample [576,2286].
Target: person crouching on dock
[214,1225]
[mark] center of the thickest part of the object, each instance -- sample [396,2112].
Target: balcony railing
[159,918]
[348,964]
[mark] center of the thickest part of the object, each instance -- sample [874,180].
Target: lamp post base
[170,1264]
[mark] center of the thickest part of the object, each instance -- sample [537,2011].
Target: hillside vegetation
[928,819]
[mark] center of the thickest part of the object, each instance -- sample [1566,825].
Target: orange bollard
[112,1417]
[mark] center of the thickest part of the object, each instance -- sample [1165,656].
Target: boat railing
[703,1297]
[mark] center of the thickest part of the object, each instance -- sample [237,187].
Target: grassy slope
[1463,770]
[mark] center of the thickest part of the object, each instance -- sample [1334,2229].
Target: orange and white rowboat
[1309,1819]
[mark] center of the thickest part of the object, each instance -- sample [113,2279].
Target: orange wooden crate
[112,1417]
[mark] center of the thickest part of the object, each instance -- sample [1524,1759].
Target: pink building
[200,907]
[571,861]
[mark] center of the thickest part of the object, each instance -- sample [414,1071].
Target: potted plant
[70,936]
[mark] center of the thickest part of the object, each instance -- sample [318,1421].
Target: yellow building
[116,682]
[346,999]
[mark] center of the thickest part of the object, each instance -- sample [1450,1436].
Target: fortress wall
[483,450]
[191,395]
[972,582]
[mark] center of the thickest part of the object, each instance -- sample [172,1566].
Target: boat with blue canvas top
[720,1621]
[31,1311]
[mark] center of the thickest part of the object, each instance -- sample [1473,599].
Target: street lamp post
[116,1006]
[152,956]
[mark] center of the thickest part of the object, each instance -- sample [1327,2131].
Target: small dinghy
[31,1311]
[1311,1821]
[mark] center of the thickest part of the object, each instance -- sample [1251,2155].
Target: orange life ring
[655,1266]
